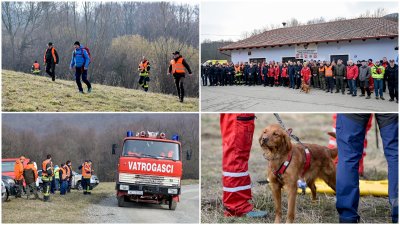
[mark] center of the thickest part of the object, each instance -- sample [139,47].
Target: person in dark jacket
[211,74]
[364,73]
[69,164]
[80,60]
[314,74]
[254,74]
[340,76]
[177,68]
[30,176]
[265,74]
[392,75]
[297,70]
[246,73]
[50,61]
[203,75]
[291,72]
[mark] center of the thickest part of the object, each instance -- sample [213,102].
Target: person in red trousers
[237,136]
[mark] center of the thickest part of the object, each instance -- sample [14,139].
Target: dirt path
[187,211]
[262,99]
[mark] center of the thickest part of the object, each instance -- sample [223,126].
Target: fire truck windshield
[151,149]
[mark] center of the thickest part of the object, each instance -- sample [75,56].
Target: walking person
[177,69]
[364,75]
[50,60]
[80,60]
[144,71]
[378,72]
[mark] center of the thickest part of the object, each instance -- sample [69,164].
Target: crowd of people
[54,178]
[324,75]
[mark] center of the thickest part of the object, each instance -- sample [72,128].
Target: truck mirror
[114,148]
[188,154]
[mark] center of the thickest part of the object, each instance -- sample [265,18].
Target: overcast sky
[230,19]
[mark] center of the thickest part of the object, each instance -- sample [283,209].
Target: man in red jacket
[237,136]
[352,74]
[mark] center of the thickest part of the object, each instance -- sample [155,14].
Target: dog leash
[297,139]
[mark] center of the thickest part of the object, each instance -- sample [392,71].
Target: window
[151,149]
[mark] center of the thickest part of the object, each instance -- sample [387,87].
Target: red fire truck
[149,169]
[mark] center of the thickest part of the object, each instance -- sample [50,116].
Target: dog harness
[279,172]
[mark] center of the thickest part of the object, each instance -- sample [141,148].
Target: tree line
[65,141]
[117,34]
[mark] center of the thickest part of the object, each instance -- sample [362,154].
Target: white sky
[228,20]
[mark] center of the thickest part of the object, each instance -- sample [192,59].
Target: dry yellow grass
[61,209]
[309,128]
[27,93]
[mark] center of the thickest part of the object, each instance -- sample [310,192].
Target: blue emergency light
[175,137]
[129,133]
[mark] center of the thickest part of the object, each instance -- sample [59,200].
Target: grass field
[61,209]
[27,93]
[310,128]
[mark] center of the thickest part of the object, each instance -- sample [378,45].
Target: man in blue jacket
[80,60]
[291,72]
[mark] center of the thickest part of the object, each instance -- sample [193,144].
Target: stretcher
[367,187]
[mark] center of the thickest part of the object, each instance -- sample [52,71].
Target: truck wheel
[121,201]
[172,204]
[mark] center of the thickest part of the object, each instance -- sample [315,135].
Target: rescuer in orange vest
[63,179]
[177,69]
[47,176]
[144,69]
[35,68]
[19,175]
[87,170]
[50,59]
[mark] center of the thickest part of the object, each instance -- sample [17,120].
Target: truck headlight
[172,191]
[123,187]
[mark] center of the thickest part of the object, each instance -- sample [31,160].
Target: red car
[7,166]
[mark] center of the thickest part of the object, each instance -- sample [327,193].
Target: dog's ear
[260,138]
[286,141]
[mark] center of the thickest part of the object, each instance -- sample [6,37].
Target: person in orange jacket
[31,175]
[19,175]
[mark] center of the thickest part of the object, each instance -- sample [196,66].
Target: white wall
[356,49]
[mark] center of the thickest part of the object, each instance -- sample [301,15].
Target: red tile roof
[344,30]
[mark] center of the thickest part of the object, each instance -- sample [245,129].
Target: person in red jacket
[237,131]
[306,73]
[276,73]
[271,74]
[352,75]
[284,75]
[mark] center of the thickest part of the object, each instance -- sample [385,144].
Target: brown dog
[304,87]
[277,146]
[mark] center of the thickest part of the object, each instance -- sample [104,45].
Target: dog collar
[279,172]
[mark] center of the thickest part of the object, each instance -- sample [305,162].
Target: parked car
[9,185]
[7,166]
[4,196]
[76,180]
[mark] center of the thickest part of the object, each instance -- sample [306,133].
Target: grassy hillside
[310,128]
[25,92]
[62,209]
